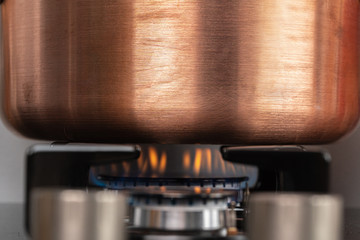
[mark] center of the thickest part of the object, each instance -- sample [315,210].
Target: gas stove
[185,72]
[176,191]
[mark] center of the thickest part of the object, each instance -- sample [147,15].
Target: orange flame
[162,166]
[208,157]
[197,161]
[157,165]
[186,160]
[197,189]
[153,158]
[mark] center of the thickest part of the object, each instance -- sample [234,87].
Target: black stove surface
[12,223]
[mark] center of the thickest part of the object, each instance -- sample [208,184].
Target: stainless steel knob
[77,215]
[295,216]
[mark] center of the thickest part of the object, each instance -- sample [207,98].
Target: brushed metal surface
[11,224]
[182,71]
[77,215]
[275,216]
[180,218]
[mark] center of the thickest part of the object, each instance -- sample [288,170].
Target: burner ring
[186,185]
[173,193]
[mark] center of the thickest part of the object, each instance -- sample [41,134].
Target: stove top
[173,189]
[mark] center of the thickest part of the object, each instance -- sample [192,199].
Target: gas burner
[178,191]
[201,212]
[235,185]
[174,197]
[132,182]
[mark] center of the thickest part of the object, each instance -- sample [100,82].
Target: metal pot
[182,71]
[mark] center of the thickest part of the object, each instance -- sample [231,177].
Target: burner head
[182,212]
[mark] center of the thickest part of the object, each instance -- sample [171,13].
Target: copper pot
[182,71]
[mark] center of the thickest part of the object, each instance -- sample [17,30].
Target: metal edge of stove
[81,147]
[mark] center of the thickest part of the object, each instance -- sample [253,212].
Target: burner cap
[180,211]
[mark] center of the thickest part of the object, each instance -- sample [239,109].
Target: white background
[12,152]
[345,169]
